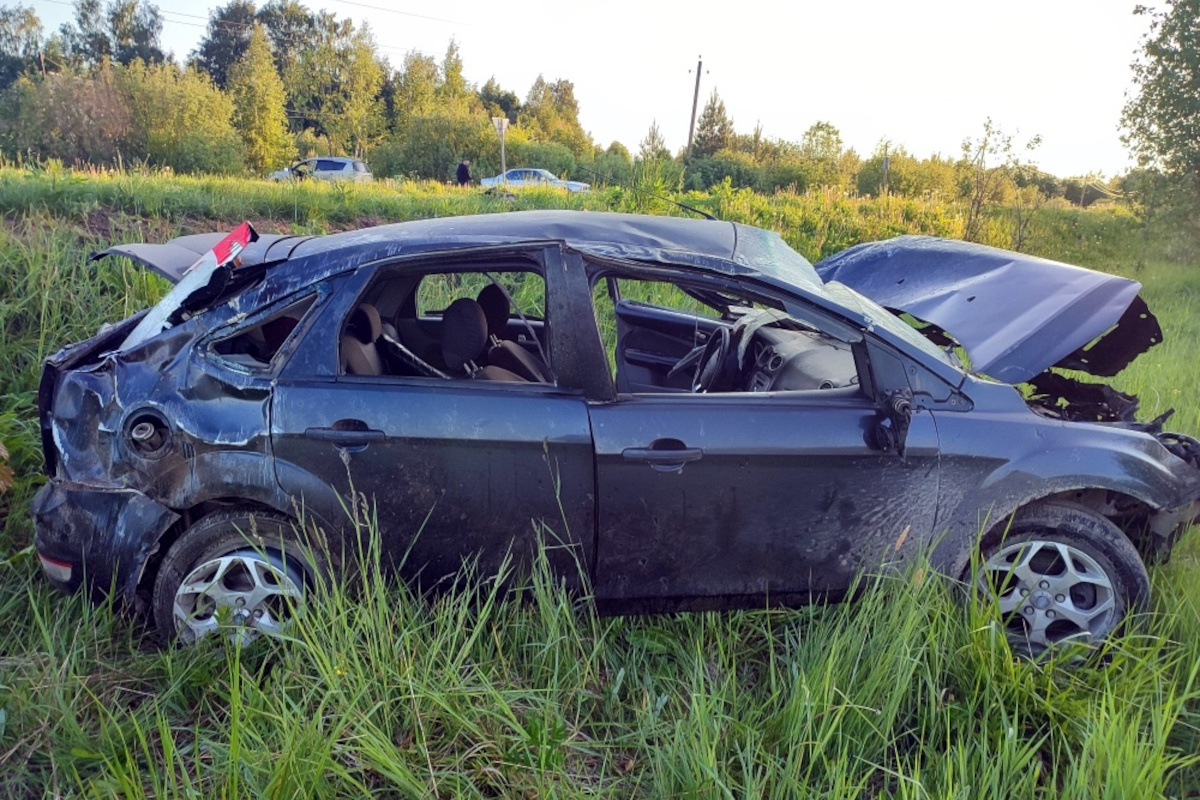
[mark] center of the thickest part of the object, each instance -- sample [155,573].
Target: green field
[907,693]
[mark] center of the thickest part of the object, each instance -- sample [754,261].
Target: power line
[404,13]
[231,25]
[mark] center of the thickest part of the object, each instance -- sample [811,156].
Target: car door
[453,470]
[741,497]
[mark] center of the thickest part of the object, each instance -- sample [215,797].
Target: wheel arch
[300,516]
[1134,505]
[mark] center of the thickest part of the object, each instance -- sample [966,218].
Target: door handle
[345,438]
[663,455]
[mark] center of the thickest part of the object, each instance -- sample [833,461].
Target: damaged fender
[114,530]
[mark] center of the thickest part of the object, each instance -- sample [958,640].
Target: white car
[534,177]
[330,168]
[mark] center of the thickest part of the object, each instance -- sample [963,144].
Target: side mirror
[890,430]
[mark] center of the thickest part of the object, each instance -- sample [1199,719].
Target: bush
[165,101]
[72,118]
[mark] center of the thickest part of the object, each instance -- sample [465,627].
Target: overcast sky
[924,74]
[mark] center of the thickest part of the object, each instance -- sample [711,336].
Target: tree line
[268,84]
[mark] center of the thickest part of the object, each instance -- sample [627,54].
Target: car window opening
[668,337]
[466,325]
[257,345]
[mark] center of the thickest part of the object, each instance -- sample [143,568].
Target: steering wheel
[712,362]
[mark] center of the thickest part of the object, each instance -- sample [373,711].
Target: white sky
[924,74]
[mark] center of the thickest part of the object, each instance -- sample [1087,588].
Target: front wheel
[1062,573]
[238,570]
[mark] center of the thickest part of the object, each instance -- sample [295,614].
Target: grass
[908,692]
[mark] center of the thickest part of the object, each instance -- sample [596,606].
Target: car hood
[1016,315]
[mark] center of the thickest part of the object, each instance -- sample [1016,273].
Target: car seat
[464,339]
[359,355]
[503,352]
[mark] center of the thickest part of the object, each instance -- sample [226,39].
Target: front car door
[453,468]
[740,497]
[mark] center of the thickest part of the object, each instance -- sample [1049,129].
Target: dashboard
[780,360]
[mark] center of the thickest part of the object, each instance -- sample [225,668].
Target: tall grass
[908,692]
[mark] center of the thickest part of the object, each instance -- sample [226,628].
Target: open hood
[1015,314]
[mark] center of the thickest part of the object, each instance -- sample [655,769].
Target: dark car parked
[685,405]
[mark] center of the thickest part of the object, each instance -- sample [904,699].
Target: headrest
[365,324]
[495,307]
[464,333]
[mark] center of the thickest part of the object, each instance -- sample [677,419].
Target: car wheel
[238,570]
[1062,573]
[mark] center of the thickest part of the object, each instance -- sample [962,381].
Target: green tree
[20,43]
[714,131]
[180,119]
[551,114]
[225,41]
[908,176]
[499,102]
[434,141]
[454,85]
[821,154]
[74,118]
[124,30]
[86,38]
[1162,121]
[335,84]
[614,165]
[291,28]
[135,30]
[258,102]
[416,87]
[988,173]
[821,142]
[653,146]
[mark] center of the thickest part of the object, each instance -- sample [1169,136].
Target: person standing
[464,172]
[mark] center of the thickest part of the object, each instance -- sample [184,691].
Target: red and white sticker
[228,248]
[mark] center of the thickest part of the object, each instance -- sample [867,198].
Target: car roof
[724,247]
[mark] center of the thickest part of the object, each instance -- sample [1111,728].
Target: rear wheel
[1062,573]
[238,571]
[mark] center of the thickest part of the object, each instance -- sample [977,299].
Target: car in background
[698,415]
[526,176]
[329,168]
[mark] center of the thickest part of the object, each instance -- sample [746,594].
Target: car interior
[667,337]
[257,345]
[469,325]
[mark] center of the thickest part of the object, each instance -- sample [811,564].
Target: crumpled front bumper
[96,537]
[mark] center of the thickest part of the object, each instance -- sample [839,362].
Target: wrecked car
[684,413]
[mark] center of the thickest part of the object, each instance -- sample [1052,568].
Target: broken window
[257,345]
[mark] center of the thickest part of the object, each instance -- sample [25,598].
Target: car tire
[1061,573]
[250,563]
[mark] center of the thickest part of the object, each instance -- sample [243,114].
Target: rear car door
[455,469]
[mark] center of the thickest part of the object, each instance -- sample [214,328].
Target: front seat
[359,355]
[504,353]
[464,337]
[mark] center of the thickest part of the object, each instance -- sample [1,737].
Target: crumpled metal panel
[171,259]
[1016,314]
[113,528]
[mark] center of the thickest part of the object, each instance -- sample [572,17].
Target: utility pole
[886,165]
[501,124]
[695,101]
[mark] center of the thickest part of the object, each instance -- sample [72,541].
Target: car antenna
[636,188]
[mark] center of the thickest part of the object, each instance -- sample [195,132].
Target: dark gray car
[690,413]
